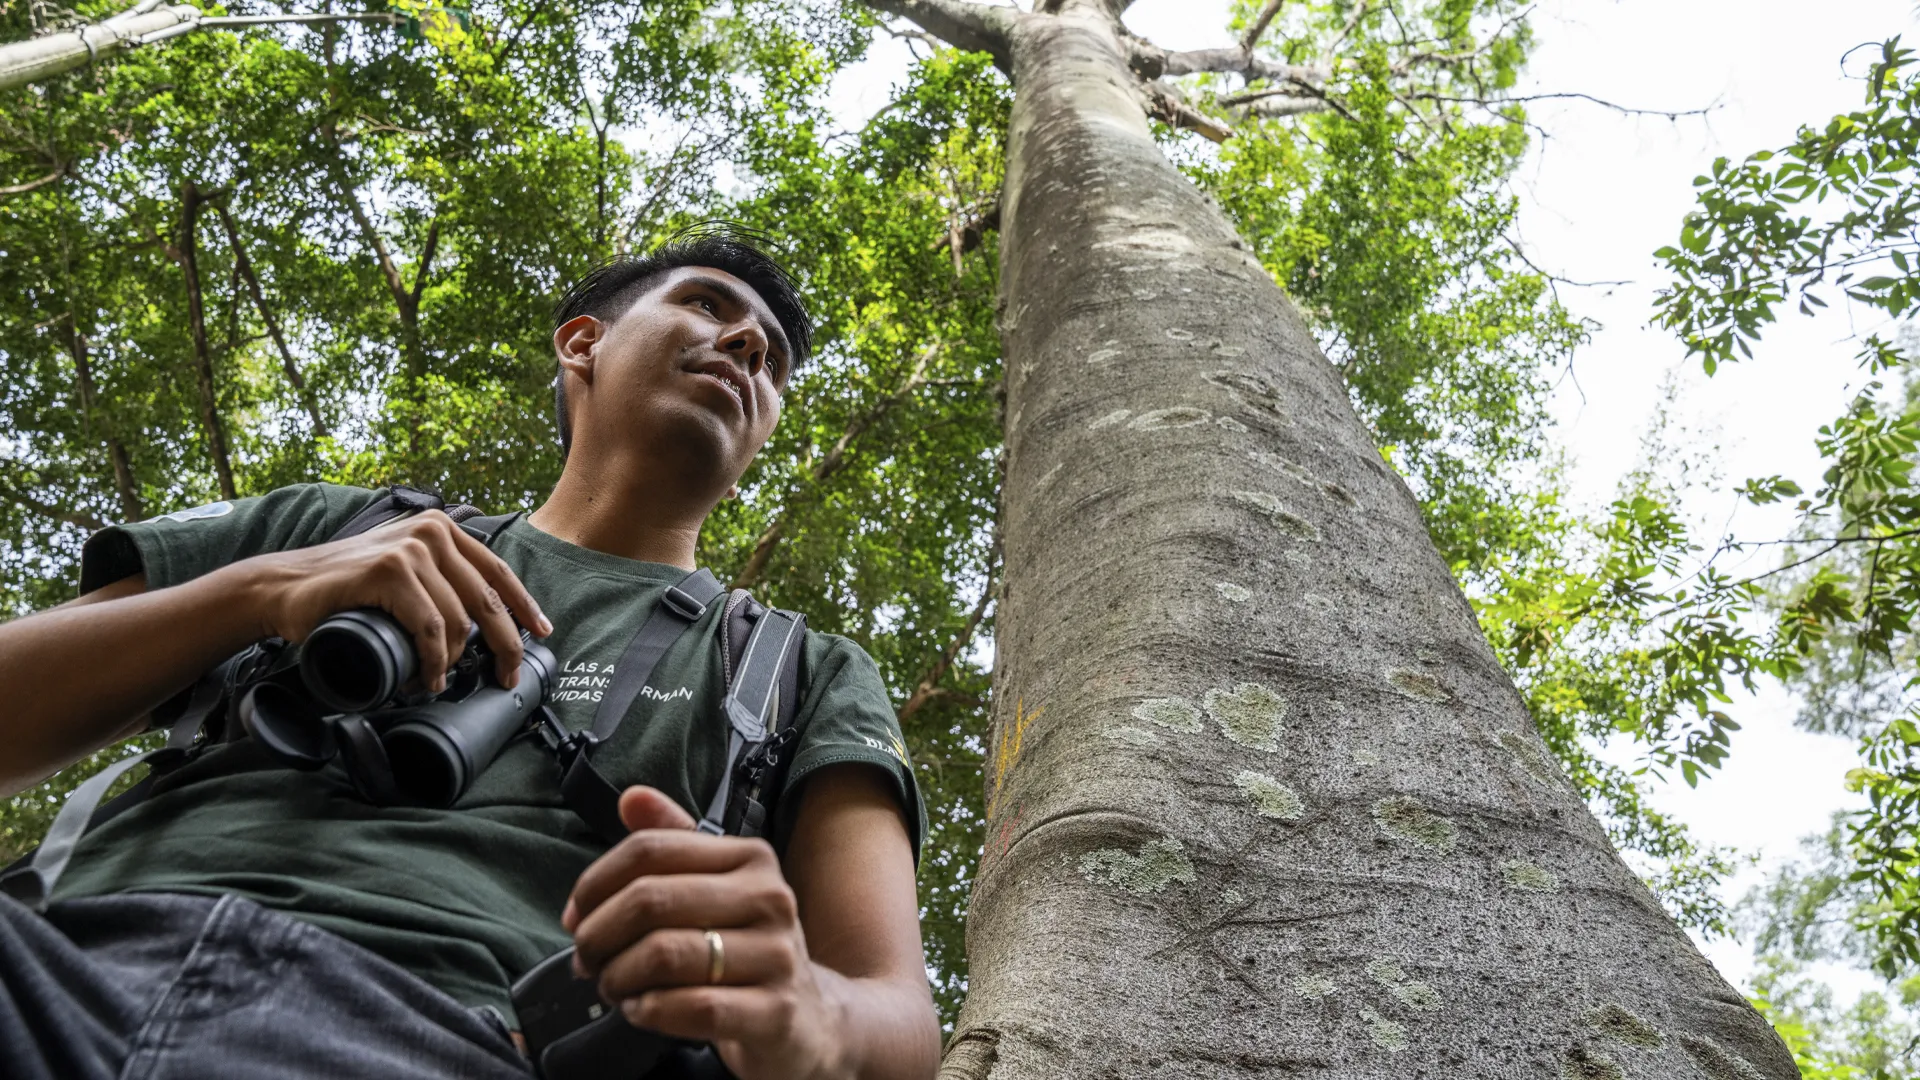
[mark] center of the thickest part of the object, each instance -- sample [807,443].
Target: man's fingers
[483,603]
[644,807]
[678,901]
[414,607]
[670,958]
[711,1013]
[505,583]
[454,620]
[654,852]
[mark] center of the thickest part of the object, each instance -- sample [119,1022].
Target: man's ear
[733,491]
[574,342]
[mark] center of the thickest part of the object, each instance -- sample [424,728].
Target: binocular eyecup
[423,754]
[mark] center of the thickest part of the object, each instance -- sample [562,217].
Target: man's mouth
[729,379]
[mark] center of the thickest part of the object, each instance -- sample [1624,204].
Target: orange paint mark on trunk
[1012,738]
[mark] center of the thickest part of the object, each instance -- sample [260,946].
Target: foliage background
[409,208]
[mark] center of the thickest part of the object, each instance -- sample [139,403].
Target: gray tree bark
[1261,801]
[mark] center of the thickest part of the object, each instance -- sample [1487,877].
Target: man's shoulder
[172,547]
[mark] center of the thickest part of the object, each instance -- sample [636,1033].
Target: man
[251,920]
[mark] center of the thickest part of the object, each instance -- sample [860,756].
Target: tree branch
[1248,65]
[1259,25]
[1490,103]
[1288,106]
[426,263]
[287,362]
[1165,102]
[835,458]
[972,231]
[44,509]
[929,686]
[21,189]
[960,23]
[368,233]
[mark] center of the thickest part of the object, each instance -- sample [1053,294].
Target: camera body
[342,698]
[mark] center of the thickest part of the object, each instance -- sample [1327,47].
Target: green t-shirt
[466,898]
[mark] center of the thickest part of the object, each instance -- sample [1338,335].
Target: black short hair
[611,287]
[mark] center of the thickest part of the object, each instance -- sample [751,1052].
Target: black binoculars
[349,704]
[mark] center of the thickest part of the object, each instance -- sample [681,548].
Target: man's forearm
[82,675]
[887,1030]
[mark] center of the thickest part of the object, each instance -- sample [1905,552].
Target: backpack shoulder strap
[394,502]
[589,793]
[759,706]
[482,527]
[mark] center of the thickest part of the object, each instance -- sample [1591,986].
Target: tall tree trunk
[1262,800]
[186,253]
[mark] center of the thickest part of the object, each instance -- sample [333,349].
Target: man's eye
[709,305]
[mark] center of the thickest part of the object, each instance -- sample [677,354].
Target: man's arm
[823,977]
[86,673]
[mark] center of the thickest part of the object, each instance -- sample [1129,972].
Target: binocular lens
[429,769]
[437,749]
[357,660]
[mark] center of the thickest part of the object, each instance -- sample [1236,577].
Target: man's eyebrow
[731,294]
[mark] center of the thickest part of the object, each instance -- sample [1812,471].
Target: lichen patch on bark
[1248,389]
[1235,594]
[1385,1034]
[1101,356]
[1172,713]
[1159,864]
[1288,522]
[1581,1063]
[1281,465]
[1270,797]
[1418,685]
[1718,1062]
[1363,755]
[1314,987]
[1339,494]
[1117,416]
[1402,817]
[1531,758]
[1414,994]
[1178,416]
[1133,736]
[1230,424]
[1614,1021]
[1528,877]
[1249,714]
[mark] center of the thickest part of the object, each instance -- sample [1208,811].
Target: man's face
[693,370]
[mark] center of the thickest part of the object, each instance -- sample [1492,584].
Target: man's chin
[698,448]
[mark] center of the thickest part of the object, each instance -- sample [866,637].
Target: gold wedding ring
[716,957]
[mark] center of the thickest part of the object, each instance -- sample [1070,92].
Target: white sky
[1599,195]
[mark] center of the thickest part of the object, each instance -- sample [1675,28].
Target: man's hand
[425,571]
[639,917]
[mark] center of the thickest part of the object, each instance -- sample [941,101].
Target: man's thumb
[649,808]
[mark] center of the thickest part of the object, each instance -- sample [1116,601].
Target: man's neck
[634,521]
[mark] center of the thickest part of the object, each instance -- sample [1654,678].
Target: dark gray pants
[159,985]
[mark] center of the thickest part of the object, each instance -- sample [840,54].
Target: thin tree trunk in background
[287,363]
[123,481]
[186,253]
[1261,799]
[829,464]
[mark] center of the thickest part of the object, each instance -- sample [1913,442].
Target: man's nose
[745,343]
